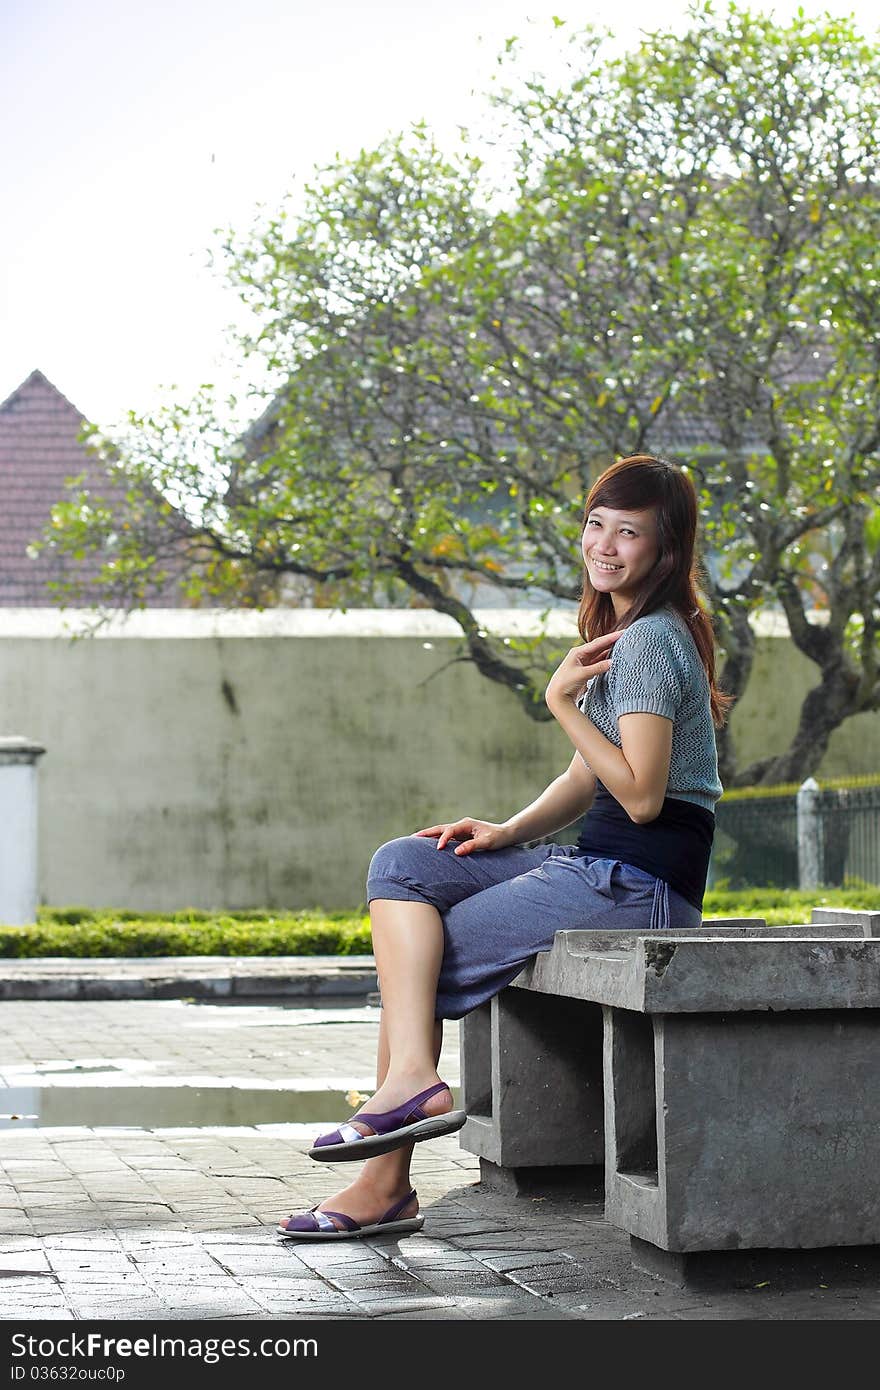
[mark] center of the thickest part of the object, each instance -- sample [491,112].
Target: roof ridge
[40,378]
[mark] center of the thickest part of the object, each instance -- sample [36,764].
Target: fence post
[809,835]
[18,830]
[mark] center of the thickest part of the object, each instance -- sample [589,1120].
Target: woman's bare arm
[568,796]
[637,773]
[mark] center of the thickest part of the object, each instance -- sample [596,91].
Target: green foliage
[785,906]
[686,232]
[84,933]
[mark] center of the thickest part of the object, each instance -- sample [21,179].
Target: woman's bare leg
[408,947]
[383,1052]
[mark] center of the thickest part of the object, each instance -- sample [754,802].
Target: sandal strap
[314,1220]
[386,1120]
[326,1220]
[348,1134]
[348,1221]
[398,1207]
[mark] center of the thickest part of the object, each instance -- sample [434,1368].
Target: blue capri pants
[499,907]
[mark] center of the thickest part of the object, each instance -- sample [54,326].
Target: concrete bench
[726,1079]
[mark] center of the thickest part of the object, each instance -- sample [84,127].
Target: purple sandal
[317,1225]
[407,1124]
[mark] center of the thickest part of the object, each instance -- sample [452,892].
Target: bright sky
[131,132]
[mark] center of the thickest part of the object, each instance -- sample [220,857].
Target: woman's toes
[305,1221]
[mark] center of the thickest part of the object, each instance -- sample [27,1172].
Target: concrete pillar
[809,835]
[532,1074]
[18,830]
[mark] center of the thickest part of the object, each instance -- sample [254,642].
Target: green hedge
[76,931]
[82,932]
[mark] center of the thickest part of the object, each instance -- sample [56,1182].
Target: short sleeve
[648,671]
[582,701]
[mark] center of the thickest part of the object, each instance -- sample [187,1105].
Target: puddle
[75,1069]
[331,1007]
[155,1107]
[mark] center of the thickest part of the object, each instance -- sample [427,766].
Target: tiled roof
[39,450]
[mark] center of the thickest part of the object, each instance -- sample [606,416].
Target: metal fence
[801,839]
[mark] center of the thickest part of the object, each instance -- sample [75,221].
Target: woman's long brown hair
[635,484]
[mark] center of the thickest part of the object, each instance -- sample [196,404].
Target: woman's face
[620,549]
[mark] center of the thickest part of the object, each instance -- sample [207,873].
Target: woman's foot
[388,1122]
[366,1207]
[392,1094]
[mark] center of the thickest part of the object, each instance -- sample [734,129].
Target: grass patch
[782,907]
[79,931]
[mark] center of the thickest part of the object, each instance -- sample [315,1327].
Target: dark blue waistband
[675,846]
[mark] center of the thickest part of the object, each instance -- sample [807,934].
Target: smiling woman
[657,702]
[620,548]
[638,702]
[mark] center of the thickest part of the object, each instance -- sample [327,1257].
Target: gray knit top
[656,669]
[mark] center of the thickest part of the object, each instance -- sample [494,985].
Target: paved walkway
[114,1215]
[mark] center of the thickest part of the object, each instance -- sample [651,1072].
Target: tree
[681,257]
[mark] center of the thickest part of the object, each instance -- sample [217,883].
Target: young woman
[458,908]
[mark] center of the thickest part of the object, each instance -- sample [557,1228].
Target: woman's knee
[401,868]
[392,860]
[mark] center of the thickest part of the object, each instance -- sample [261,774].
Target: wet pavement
[157,1141]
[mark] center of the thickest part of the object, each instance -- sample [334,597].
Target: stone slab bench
[726,1078]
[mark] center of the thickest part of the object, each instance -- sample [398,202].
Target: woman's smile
[633,554]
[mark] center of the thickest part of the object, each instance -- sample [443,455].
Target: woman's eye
[624,531]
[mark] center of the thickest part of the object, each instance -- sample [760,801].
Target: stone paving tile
[549,1281]
[509,1261]
[84,1276]
[141,1311]
[314,1312]
[16,1221]
[12,1312]
[23,1261]
[266,1286]
[381,1307]
[170,1260]
[35,1287]
[117,1222]
[470,1277]
[441,1314]
[502,1304]
[374,1285]
[460,1290]
[446,1262]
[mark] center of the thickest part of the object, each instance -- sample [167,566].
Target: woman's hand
[474,834]
[569,680]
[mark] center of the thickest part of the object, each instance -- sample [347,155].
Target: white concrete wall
[257,759]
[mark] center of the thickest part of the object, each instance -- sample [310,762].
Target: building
[40,448]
